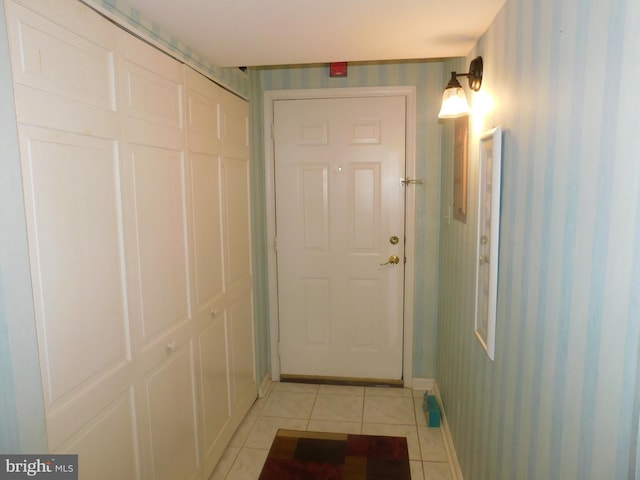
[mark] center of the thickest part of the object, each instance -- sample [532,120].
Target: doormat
[297,455]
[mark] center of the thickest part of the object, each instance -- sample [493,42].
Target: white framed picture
[489,175]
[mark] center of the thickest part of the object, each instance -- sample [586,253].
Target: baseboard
[423,384]
[448,440]
[265,385]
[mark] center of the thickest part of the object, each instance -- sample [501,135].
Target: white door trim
[409,92]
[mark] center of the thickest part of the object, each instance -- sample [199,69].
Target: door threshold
[347,381]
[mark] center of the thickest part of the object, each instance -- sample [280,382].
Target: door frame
[270,96]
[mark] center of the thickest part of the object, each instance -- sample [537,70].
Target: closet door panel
[213,371]
[235,193]
[206,222]
[236,221]
[152,84]
[79,255]
[152,97]
[159,218]
[62,59]
[242,351]
[170,431]
[202,113]
[234,128]
[74,214]
[37,107]
[206,228]
[107,447]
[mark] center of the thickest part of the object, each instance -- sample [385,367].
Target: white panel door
[156,173]
[203,99]
[170,413]
[339,210]
[236,221]
[136,182]
[64,69]
[217,130]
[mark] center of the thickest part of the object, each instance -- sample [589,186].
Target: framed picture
[489,175]
[460,160]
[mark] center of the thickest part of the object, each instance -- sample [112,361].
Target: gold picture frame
[460,174]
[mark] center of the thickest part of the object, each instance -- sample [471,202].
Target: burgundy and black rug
[297,455]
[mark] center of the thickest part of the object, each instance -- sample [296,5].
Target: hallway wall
[558,402]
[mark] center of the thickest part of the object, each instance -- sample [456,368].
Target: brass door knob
[393,259]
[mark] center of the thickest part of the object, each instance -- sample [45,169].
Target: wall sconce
[454,101]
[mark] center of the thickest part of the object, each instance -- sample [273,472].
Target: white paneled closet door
[221,251]
[64,68]
[152,106]
[136,181]
[202,104]
[237,242]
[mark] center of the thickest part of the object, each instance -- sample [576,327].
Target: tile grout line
[315,400]
[415,427]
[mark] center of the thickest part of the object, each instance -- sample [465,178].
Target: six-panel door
[339,205]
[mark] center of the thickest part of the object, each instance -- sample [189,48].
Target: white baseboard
[423,384]
[448,441]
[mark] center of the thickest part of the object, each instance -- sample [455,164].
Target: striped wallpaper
[427,78]
[233,79]
[561,399]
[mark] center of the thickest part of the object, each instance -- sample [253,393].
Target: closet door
[203,98]
[136,181]
[64,76]
[152,105]
[217,123]
[234,133]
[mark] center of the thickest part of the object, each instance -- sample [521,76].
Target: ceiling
[275,32]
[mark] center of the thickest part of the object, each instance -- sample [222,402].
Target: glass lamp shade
[454,103]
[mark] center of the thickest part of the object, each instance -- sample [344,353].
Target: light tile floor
[343,409]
